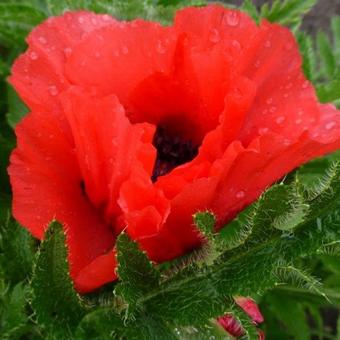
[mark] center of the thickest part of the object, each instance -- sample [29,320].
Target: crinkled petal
[267,159]
[116,58]
[46,182]
[39,74]
[107,146]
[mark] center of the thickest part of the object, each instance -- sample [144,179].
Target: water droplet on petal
[289,45]
[267,44]
[330,125]
[240,194]
[68,51]
[233,18]
[53,90]
[81,20]
[257,64]
[214,36]
[33,56]
[280,120]
[160,47]
[42,40]
[94,21]
[236,44]
[125,50]
[301,112]
[298,121]
[273,109]
[106,17]
[97,55]
[263,130]
[305,84]
[269,101]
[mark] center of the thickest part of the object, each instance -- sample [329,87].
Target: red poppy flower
[137,126]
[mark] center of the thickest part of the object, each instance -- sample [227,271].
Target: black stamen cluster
[172,151]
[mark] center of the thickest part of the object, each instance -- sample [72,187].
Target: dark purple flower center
[172,151]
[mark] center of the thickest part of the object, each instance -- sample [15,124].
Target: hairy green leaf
[56,304]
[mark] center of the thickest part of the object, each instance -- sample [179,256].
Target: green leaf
[329,92]
[291,313]
[249,7]
[13,318]
[287,12]
[335,23]
[16,20]
[55,302]
[327,58]
[103,323]
[137,274]
[17,109]
[17,251]
[308,54]
[205,222]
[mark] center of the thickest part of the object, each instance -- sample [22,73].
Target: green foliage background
[284,255]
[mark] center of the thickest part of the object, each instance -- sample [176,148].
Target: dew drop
[263,130]
[233,18]
[305,84]
[125,50]
[269,101]
[33,56]
[42,40]
[106,17]
[289,45]
[330,125]
[298,121]
[81,20]
[94,21]
[214,36]
[160,47]
[53,90]
[268,44]
[273,109]
[68,51]
[240,194]
[257,64]
[280,120]
[286,95]
[97,55]
[301,112]
[236,44]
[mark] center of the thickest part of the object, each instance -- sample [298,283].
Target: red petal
[266,160]
[100,271]
[38,74]
[285,102]
[107,146]
[116,58]
[46,179]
